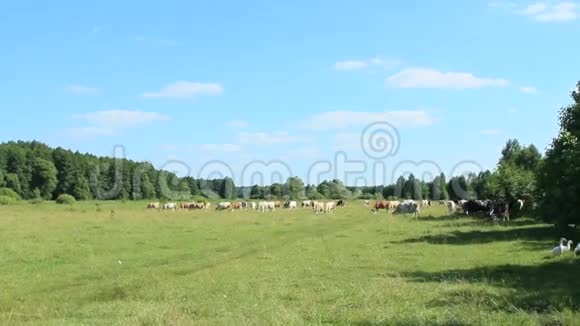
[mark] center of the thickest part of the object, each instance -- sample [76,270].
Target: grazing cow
[341,203]
[452,207]
[153,206]
[408,207]
[264,206]
[170,206]
[367,203]
[499,209]
[476,206]
[224,206]
[318,207]
[329,207]
[291,205]
[381,204]
[307,203]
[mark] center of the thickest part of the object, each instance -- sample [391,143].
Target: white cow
[292,205]
[408,207]
[170,206]
[330,207]
[318,207]
[224,206]
[307,203]
[253,206]
[452,207]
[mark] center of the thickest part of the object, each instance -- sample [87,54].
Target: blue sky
[295,81]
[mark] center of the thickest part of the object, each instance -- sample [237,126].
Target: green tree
[558,178]
[228,190]
[2,181]
[44,177]
[13,182]
[276,190]
[295,188]
[256,192]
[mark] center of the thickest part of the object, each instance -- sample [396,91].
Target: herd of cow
[494,209]
[263,206]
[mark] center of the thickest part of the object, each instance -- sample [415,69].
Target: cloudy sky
[294,82]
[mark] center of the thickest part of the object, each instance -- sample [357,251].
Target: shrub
[7,192]
[65,199]
[199,199]
[5,200]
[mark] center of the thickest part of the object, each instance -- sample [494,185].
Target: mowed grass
[114,263]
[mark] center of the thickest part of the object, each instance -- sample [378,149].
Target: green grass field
[117,264]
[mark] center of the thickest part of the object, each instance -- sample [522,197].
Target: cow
[408,207]
[253,206]
[499,209]
[367,203]
[237,206]
[264,206]
[452,207]
[307,203]
[170,206]
[425,203]
[476,206]
[183,206]
[381,204]
[224,206]
[291,205]
[153,206]
[207,206]
[341,203]
[318,207]
[329,207]
[278,204]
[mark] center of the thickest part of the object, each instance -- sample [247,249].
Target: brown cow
[237,206]
[278,204]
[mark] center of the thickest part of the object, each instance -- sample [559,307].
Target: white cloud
[349,119]
[119,119]
[528,90]
[552,12]
[430,78]
[185,89]
[82,90]
[237,124]
[362,64]
[267,138]
[223,148]
[491,132]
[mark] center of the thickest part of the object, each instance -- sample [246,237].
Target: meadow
[113,263]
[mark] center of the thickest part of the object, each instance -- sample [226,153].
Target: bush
[7,192]
[5,200]
[199,199]
[65,200]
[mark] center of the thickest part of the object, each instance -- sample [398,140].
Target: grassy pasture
[115,263]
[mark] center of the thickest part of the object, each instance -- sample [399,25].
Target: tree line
[35,170]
